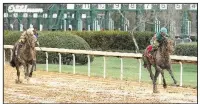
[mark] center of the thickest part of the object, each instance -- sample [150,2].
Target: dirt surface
[54,87]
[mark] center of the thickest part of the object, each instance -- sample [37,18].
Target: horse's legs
[150,71]
[30,75]
[155,90]
[26,73]
[18,75]
[164,82]
[148,65]
[172,75]
[30,70]
[34,60]
[27,69]
[33,66]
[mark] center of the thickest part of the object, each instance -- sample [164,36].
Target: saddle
[149,54]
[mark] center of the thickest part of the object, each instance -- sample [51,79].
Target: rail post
[46,61]
[74,63]
[121,77]
[11,53]
[104,67]
[59,62]
[140,70]
[181,73]
[88,56]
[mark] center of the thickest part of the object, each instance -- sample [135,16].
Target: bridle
[28,38]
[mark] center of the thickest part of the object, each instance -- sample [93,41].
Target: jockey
[155,41]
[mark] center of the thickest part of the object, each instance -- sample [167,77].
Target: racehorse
[160,61]
[25,55]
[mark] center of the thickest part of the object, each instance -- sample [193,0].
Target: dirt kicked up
[54,87]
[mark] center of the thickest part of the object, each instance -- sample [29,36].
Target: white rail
[180,59]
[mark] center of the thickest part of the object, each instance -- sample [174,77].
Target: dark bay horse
[160,61]
[25,55]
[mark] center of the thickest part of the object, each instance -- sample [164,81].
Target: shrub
[115,40]
[55,40]
[186,49]
[10,37]
[63,40]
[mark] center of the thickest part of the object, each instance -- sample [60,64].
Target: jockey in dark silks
[155,42]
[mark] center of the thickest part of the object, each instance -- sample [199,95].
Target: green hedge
[97,40]
[186,49]
[115,40]
[10,37]
[108,40]
[55,40]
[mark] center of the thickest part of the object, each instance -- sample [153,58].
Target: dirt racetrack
[54,87]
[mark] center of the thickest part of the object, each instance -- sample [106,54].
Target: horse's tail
[12,63]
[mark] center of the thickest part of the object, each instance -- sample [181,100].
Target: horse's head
[31,37]
[167,45]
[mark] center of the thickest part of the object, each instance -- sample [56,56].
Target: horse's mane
[165,47]
[29,36]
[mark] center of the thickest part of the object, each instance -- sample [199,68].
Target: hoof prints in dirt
[52,87]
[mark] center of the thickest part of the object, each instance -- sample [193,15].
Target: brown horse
[25,54]
[160,61]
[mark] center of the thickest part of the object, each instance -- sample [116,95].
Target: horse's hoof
[164,86]
[26,77]
[30,75]
[28,80]
[175,85]
[18,81]
[156,91]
